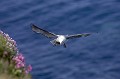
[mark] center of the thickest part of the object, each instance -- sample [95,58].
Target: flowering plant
[10,59]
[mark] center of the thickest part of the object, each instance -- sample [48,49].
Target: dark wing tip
[34,27]
[42,31]
[86,34]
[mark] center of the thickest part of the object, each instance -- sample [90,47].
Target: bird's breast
[61,39]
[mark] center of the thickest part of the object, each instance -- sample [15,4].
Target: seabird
[57,39]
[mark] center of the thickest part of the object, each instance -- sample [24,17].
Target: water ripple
[94,57]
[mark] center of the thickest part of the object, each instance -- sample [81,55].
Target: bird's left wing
[43,32]
[77,35]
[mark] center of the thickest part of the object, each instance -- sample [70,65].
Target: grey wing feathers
[77,35]
[43,32]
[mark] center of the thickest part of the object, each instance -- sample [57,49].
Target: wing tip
[34,27]
[86,34]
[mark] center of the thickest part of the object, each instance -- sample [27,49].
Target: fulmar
[57,39]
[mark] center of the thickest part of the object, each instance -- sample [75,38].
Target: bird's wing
[77,35]
[43,32]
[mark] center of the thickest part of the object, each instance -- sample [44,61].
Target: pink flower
[20,57]
[20,65]
[26,72]
[17,66]
[29,68]
[19,61]
[16,59]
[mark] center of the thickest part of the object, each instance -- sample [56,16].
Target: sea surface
[93,57]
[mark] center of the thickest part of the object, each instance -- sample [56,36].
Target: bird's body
[61,39]
[58,39]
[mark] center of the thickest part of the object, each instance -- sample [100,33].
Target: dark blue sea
[93,57]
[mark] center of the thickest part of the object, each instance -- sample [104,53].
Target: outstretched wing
[43,32]
[77,35]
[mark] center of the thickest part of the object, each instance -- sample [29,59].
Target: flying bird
[57,39]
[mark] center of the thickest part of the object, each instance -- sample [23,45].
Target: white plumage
[61,39]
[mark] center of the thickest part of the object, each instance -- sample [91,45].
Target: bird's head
[57,42]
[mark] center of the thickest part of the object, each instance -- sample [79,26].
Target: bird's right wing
[77,35]
[43,32]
